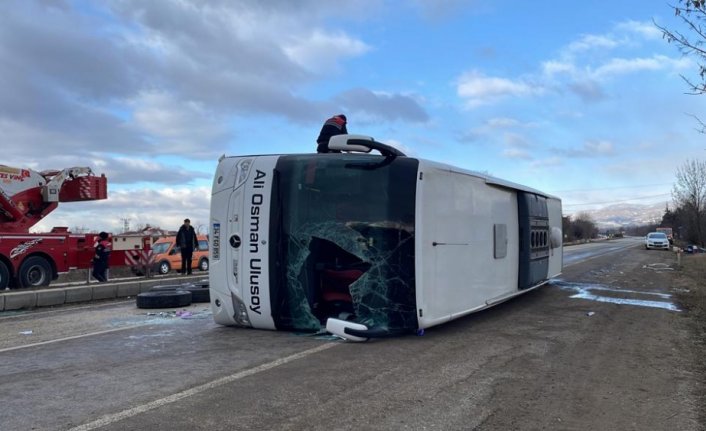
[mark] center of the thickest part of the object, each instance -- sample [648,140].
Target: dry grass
[690,287]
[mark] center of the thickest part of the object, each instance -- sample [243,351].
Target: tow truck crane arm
[27,196]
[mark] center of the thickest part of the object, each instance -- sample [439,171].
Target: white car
[657,240]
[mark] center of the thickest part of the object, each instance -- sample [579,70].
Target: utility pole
[126,224]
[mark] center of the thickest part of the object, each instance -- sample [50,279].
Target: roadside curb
[48,297]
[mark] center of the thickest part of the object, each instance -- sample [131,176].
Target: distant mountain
[621,215]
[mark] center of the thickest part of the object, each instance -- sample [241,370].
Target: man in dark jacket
[100,259]
[335,125]
[187,242]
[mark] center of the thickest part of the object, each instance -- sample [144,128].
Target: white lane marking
[26,313]
[125,414]
[613,250]
[74,337]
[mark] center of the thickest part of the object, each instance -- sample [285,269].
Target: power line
[610,188]
[617,202]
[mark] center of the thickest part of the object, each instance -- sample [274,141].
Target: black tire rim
[36,275]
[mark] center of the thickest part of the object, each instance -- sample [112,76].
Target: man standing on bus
[335,125]
[187,242]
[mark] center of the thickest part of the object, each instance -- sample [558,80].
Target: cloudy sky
[585,101]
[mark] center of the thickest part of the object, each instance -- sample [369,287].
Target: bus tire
[199,293]
[203,264]
[164,299]
[35,271]
[4,276]
[164,267]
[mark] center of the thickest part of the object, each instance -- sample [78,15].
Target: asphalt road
[603,347]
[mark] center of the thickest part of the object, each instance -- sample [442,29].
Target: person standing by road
[100,259]
[335,125]
[187,242]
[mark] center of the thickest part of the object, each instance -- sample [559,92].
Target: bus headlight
[241,312]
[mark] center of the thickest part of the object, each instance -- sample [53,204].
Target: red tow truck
[26,197]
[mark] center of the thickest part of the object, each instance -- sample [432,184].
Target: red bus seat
[334,284]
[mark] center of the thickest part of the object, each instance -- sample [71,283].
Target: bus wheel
[164,267]
[164,299]
[35,271]
[4,276]
[203,264]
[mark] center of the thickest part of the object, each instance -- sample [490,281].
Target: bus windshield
[343,232]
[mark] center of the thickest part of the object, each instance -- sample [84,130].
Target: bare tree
[692,42]
[584,227]
[689,194]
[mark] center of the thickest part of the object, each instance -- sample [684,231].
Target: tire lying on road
[199,292]
[164,299]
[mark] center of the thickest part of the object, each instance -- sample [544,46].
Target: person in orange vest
[335,125]
[100,259]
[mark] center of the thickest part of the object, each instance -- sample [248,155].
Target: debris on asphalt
[30,332]
[166,314]
[183,314]
[658,267]
[590,313]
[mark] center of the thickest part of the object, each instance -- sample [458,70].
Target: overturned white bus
[371,245]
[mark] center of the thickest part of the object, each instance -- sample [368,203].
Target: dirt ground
[639,369]
[689,285]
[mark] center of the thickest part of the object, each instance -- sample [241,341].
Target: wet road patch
[612,295]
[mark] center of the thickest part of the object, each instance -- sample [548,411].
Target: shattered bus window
[348,240]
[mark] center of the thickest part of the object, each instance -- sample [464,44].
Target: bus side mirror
[338,327]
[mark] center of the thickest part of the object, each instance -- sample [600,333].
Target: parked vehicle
[166,255]
[667,231]
[657,240]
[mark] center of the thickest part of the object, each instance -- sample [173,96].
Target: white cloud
[516,153]
[592,41]
[590,149]
[179,127]
[479,89]
[321,52]
[165,208]
[554,67]
[502,122]
[516,140]
[624,66]
[369,106]
[645,29]
[546,163]
[585,65]
[599,147]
